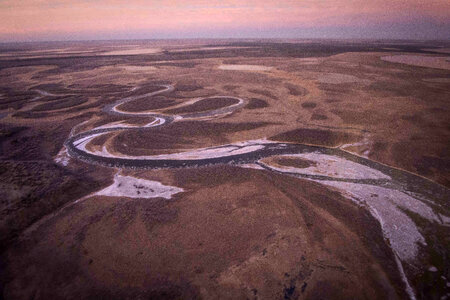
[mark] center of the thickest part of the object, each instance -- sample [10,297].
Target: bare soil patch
[438,62]
[244,68]
[335,78]
[204,105]
[316,137]
[295,162]
[262,92]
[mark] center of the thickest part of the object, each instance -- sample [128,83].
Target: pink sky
[99,19]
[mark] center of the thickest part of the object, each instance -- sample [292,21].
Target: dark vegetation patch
[44,98]
[63,64]
[309,104]
[431,285]
[30,190]
[323,288]
[393,89]
[204,105]
[415,119]
[81,108]
[31,184]
[76,108]
[54,88]
[63,102]
[295,162]
[99,89]
[317,49]
[186,65]
[289,292]
[255,103]
[7,132]
[316,137]
[231,62]
[263,93]
[319,117]
[379,146]
[157,212]
[359,117]
[31,115]
[230,88]
[407,155]
[148,103]
[38,142]
[172,291]
[296,90]
[426,164]
[15,99]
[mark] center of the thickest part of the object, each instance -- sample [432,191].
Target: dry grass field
[225,169]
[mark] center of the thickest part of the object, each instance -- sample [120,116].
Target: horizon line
[230,38]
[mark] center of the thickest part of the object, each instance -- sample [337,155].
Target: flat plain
[235,169]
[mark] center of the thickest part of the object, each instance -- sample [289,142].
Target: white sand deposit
[309,61]
[386,206]
[365,145]
[121,124]
[251,166]
[138,68]
[331,166]
[62,157]
[127,186]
